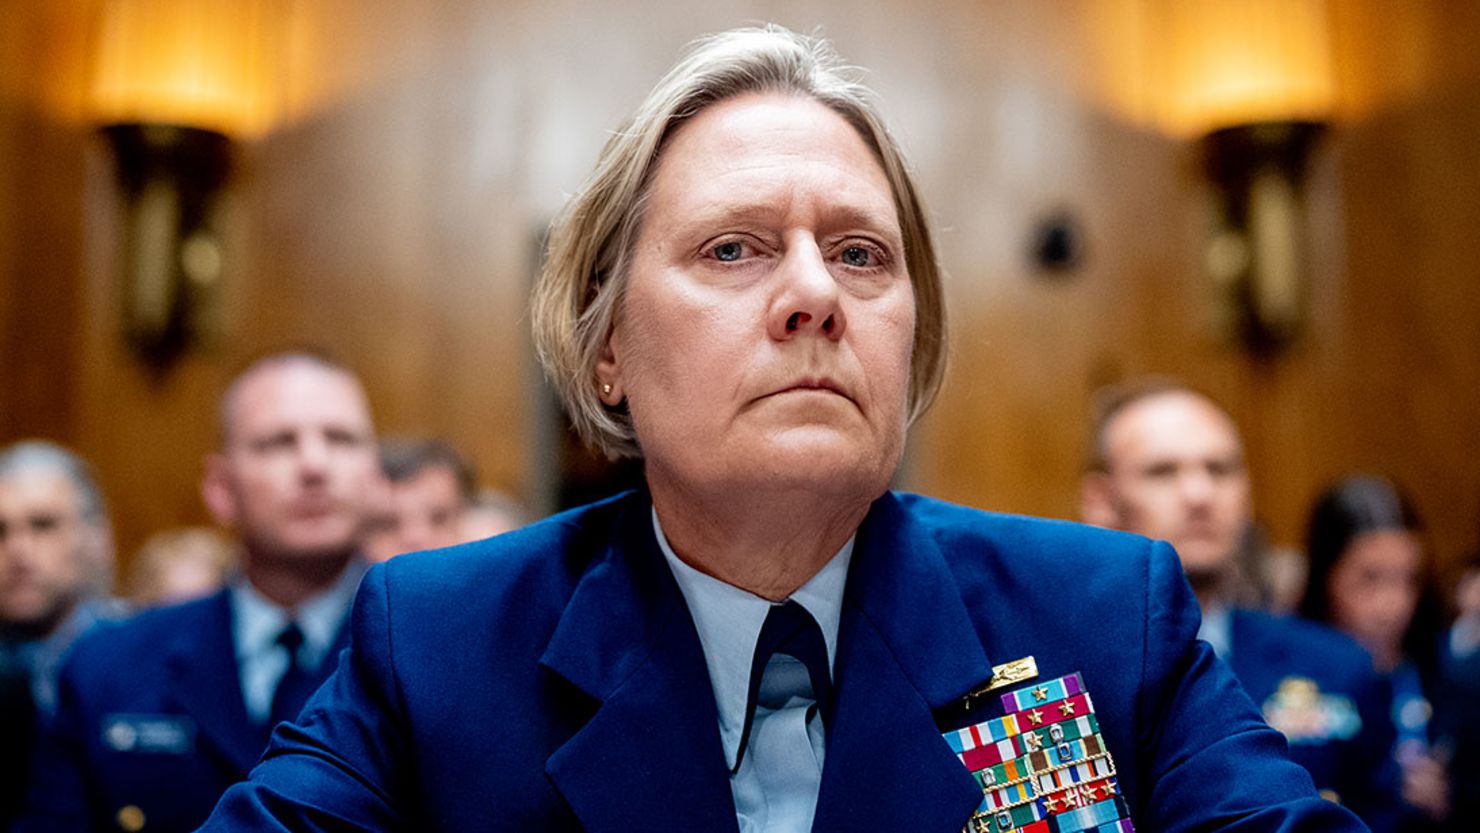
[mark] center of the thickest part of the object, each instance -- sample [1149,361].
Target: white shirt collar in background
[256,624]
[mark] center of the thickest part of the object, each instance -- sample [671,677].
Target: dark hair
[402,459]
[1350,507]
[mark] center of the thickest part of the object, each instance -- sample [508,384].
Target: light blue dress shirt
[776,787]
[1217,630]
[256,624]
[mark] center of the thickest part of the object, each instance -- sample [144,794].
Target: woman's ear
[609,374]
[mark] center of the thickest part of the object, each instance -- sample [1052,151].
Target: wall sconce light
[171,179]
[1255,257]
[174,81]
[1255,81]
[1252,82]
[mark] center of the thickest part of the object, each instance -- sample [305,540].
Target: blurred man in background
[1167,462]
[429,488]
[56,563]
[157,716]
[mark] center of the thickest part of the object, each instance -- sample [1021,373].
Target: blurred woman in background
[1368,577]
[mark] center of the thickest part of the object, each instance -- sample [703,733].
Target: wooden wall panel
[392,216]
[41,184]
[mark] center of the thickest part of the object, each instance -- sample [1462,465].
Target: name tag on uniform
[159,734]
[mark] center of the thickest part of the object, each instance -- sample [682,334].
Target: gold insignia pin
[1006,674]
[130,818]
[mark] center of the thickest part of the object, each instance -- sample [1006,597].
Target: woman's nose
[807,302]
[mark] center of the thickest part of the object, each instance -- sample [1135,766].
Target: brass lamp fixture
[171,179]
[1252,83]
[1255,82]
[175,84]
[1255,258]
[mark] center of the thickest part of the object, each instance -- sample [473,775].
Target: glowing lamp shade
[1236,62]
[191,63]
[175,81]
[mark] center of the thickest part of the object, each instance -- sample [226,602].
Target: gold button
[131,818]
[1331,796]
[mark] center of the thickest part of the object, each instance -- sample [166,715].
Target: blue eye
[728,252]
[857,256]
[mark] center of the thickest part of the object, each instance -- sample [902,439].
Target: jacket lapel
[650,755]
[204,681]
[906,648]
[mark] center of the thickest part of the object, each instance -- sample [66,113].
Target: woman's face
[766,334]
[1374,588]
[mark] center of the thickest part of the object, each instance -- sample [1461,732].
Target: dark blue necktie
[789,630]
[297,683]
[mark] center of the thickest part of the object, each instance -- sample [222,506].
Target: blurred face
[766,333]
[1176,472]
[1374,588]
[420,513]
[183,579]
[50,556]
[299,472]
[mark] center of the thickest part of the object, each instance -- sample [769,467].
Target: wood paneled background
[391,213]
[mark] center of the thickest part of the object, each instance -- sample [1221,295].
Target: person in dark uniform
[765,638]
[1456,725]
[158,715]
[1368,578]
[56,562]
[1167,462]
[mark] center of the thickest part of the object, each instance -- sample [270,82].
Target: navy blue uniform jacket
[552,679]
[1350,758]
[149,716]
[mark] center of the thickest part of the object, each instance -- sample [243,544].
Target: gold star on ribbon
[1066,708]
[1035,717]
[1109,788]
[1033,742]
[1053,805]
[1040,694]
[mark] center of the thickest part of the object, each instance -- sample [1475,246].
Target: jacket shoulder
[966,533]
[129,658]
[142,636]
[1320,646]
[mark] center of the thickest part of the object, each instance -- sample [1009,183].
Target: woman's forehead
[757,153]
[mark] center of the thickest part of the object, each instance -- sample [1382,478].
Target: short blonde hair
[581,287]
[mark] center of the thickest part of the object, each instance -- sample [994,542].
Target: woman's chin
[821,461]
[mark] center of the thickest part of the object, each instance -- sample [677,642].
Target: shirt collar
[1217,630]
[729,622]
[257,622]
